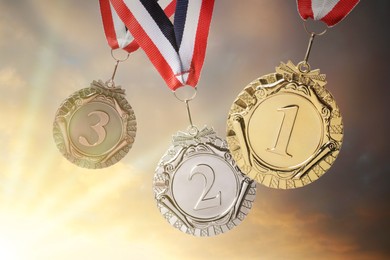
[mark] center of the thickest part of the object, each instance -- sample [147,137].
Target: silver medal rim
[184,222]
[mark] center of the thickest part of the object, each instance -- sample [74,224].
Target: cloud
[10,79]
[59,47]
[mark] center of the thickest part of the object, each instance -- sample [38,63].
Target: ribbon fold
[330,12]
[117,34]
[177,50]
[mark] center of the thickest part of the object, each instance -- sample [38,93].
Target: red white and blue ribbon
[328,11]
[117,34]
[177,49]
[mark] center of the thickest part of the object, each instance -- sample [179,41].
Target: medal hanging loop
[312,32]
[117,34]
[113,74]
[304,66]
[110,83]
[193,129]
[120,59]
[309,47]
[183,99]
[189,112]
[329,12]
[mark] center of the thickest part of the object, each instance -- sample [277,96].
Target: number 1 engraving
[209,176]
[285,131]
[99,128]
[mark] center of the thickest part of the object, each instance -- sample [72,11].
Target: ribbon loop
[330,12]
[117,34]
[177,49]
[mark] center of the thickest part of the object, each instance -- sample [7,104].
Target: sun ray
[93,197]
[42,168]
[22,147]
[60,190]
[52,209]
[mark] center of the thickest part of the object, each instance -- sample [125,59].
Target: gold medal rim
[312,82]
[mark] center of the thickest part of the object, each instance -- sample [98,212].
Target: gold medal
[95,127]
[284,129]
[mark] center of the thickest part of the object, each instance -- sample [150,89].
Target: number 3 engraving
[99,128]
[209,176]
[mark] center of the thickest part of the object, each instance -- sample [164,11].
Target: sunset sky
[52,209]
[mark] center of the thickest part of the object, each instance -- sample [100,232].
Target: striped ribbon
[329,11]
[177,49]
[117,34]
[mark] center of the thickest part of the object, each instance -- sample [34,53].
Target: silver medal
[95,127]
[198,187]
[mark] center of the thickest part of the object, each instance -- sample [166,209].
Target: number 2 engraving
[99,128]
[285,131]
[205,202]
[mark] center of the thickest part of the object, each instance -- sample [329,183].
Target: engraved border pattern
[96,92]
[162,186]
[287,78]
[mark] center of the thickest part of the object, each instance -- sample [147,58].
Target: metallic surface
[285,130]
[198,187]
[95,127]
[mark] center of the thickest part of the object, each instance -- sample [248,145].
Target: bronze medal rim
[307,83]
[97,92]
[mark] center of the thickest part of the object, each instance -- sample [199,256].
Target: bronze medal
[95,127]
